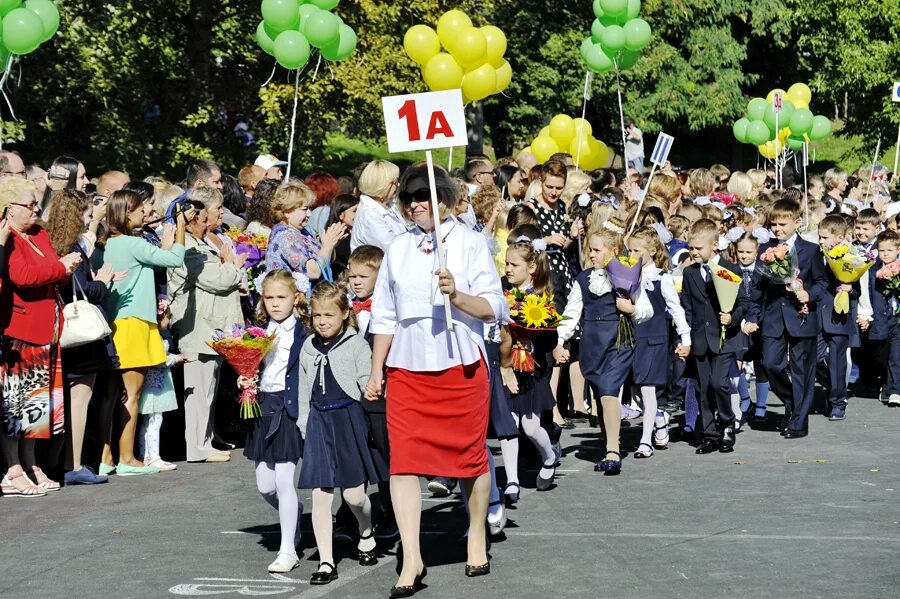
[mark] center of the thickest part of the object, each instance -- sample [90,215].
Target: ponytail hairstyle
[733,247]
[301,309]
[336,294]
[534,252]
[650,237]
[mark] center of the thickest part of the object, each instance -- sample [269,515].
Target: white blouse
[409,305]
[375,224]
[275,363]
[598,285]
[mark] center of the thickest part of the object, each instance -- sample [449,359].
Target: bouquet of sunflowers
[848,264]
[624,274]
[533,315]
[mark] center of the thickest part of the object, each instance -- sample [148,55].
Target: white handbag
[83,321]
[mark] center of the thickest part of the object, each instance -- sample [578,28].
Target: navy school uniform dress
[885,327]
[651,348]
[501,424]
[712,360]
[535,395]
[336,450]
[603,366]
[275,436]
[788,334]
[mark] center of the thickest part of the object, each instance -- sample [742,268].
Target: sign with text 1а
[895,95]
[661,149]
[425,121]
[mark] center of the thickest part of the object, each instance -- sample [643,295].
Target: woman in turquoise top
[132,308]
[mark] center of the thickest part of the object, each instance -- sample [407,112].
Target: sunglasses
[420,195]
[30,207]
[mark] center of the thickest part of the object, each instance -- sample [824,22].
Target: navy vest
[657,326]
[596,307]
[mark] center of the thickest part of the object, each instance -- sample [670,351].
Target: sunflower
[534,312]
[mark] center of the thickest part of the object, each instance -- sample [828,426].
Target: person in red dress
[437,391]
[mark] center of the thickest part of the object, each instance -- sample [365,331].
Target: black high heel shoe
[320,578]
[409,590]
[368,558]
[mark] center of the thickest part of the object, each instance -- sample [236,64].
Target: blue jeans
[637,164]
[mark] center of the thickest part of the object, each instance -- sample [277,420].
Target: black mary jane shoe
[409,590]
[482,570]
[609,466]
[320,578]
[511,498]
[367,558]
[708,446]
[792,434]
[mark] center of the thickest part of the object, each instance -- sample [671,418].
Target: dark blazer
[883,318]
[701,309]
[776,309]
[830,321]
[275,405]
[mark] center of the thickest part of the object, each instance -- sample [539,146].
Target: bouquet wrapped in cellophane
[848,263]
[891,274]
[728,287]
[533,316]
[624,274]
[244,348]
[779,264]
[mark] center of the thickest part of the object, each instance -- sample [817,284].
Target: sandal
[510,497]
[160,464]
[9,490]
[611,466]
[643,454]
[661,433]
[42,482]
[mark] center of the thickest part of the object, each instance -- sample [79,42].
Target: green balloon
[801,121]
[756,109]
[740,129]
[821,128]
[637,34]
[614,8]
[322,28]
[23,31]
[634,9]
[598,10]
[596,30]
[4,56]
[8,5]
[594,57]
[795,143]
[343,48]
[612,39]
[292,49]
[264,40]
[757,133]
[281,15]
[325,4]
[628,59]
[48,14]
[306,11]
[784,116]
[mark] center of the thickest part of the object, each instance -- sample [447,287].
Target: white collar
[791,241]
[650,273]
[287,325]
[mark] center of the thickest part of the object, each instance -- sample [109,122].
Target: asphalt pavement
[813,517]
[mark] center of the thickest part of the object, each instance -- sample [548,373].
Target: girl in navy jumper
[275,443]
[650,367]
[528,269]
[605,363]
[335,364]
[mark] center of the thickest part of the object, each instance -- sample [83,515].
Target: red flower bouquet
[244,348]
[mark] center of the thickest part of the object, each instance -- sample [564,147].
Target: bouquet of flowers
[254,246]
[244,348]
[891,274]
[533,315]
[728,287]
[848,264]
[624,274]
[779,264]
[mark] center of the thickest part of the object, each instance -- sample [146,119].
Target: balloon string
[272,76]
[621,118]
[3,79]
[581,129]
[290,155]
[318,62]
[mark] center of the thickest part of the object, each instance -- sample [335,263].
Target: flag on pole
[661,149]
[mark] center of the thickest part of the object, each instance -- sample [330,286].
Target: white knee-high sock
[510,451]
[648,420]
[288,504]
[361,506]
[531,426]
[736,401]
[321,521]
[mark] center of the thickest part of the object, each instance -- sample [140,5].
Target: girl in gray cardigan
[334,367]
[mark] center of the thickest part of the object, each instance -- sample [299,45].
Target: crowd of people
[369,385]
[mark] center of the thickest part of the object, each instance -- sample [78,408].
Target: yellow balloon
[450,25]
[580,151]
[581,124]
[800,95]
[442,72]
[469,47]
[526,149]
[545,132]
[599,155]
[543,148]
[496,43]
[504,76]
[771,149]
[421,43]
[480,83]
[771,96]
[562,129]
[784,134]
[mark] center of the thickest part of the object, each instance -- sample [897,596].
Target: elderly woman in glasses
[437,381]
[32,399]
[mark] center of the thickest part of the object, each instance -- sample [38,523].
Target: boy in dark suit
[836,329]
[712,358]
[787,315]
[885,327]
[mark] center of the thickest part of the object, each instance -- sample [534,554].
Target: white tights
[648,399]
[148,438]
[359,504]
[275,482]
[531,426]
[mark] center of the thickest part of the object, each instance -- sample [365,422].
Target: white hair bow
[584,200]
[735,233]
[664,234]
[701,201]
[539,245]
[762,235]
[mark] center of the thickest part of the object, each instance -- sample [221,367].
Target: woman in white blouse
[437,380]
[377,220]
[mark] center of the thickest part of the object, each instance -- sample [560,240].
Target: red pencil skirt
[437,421]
